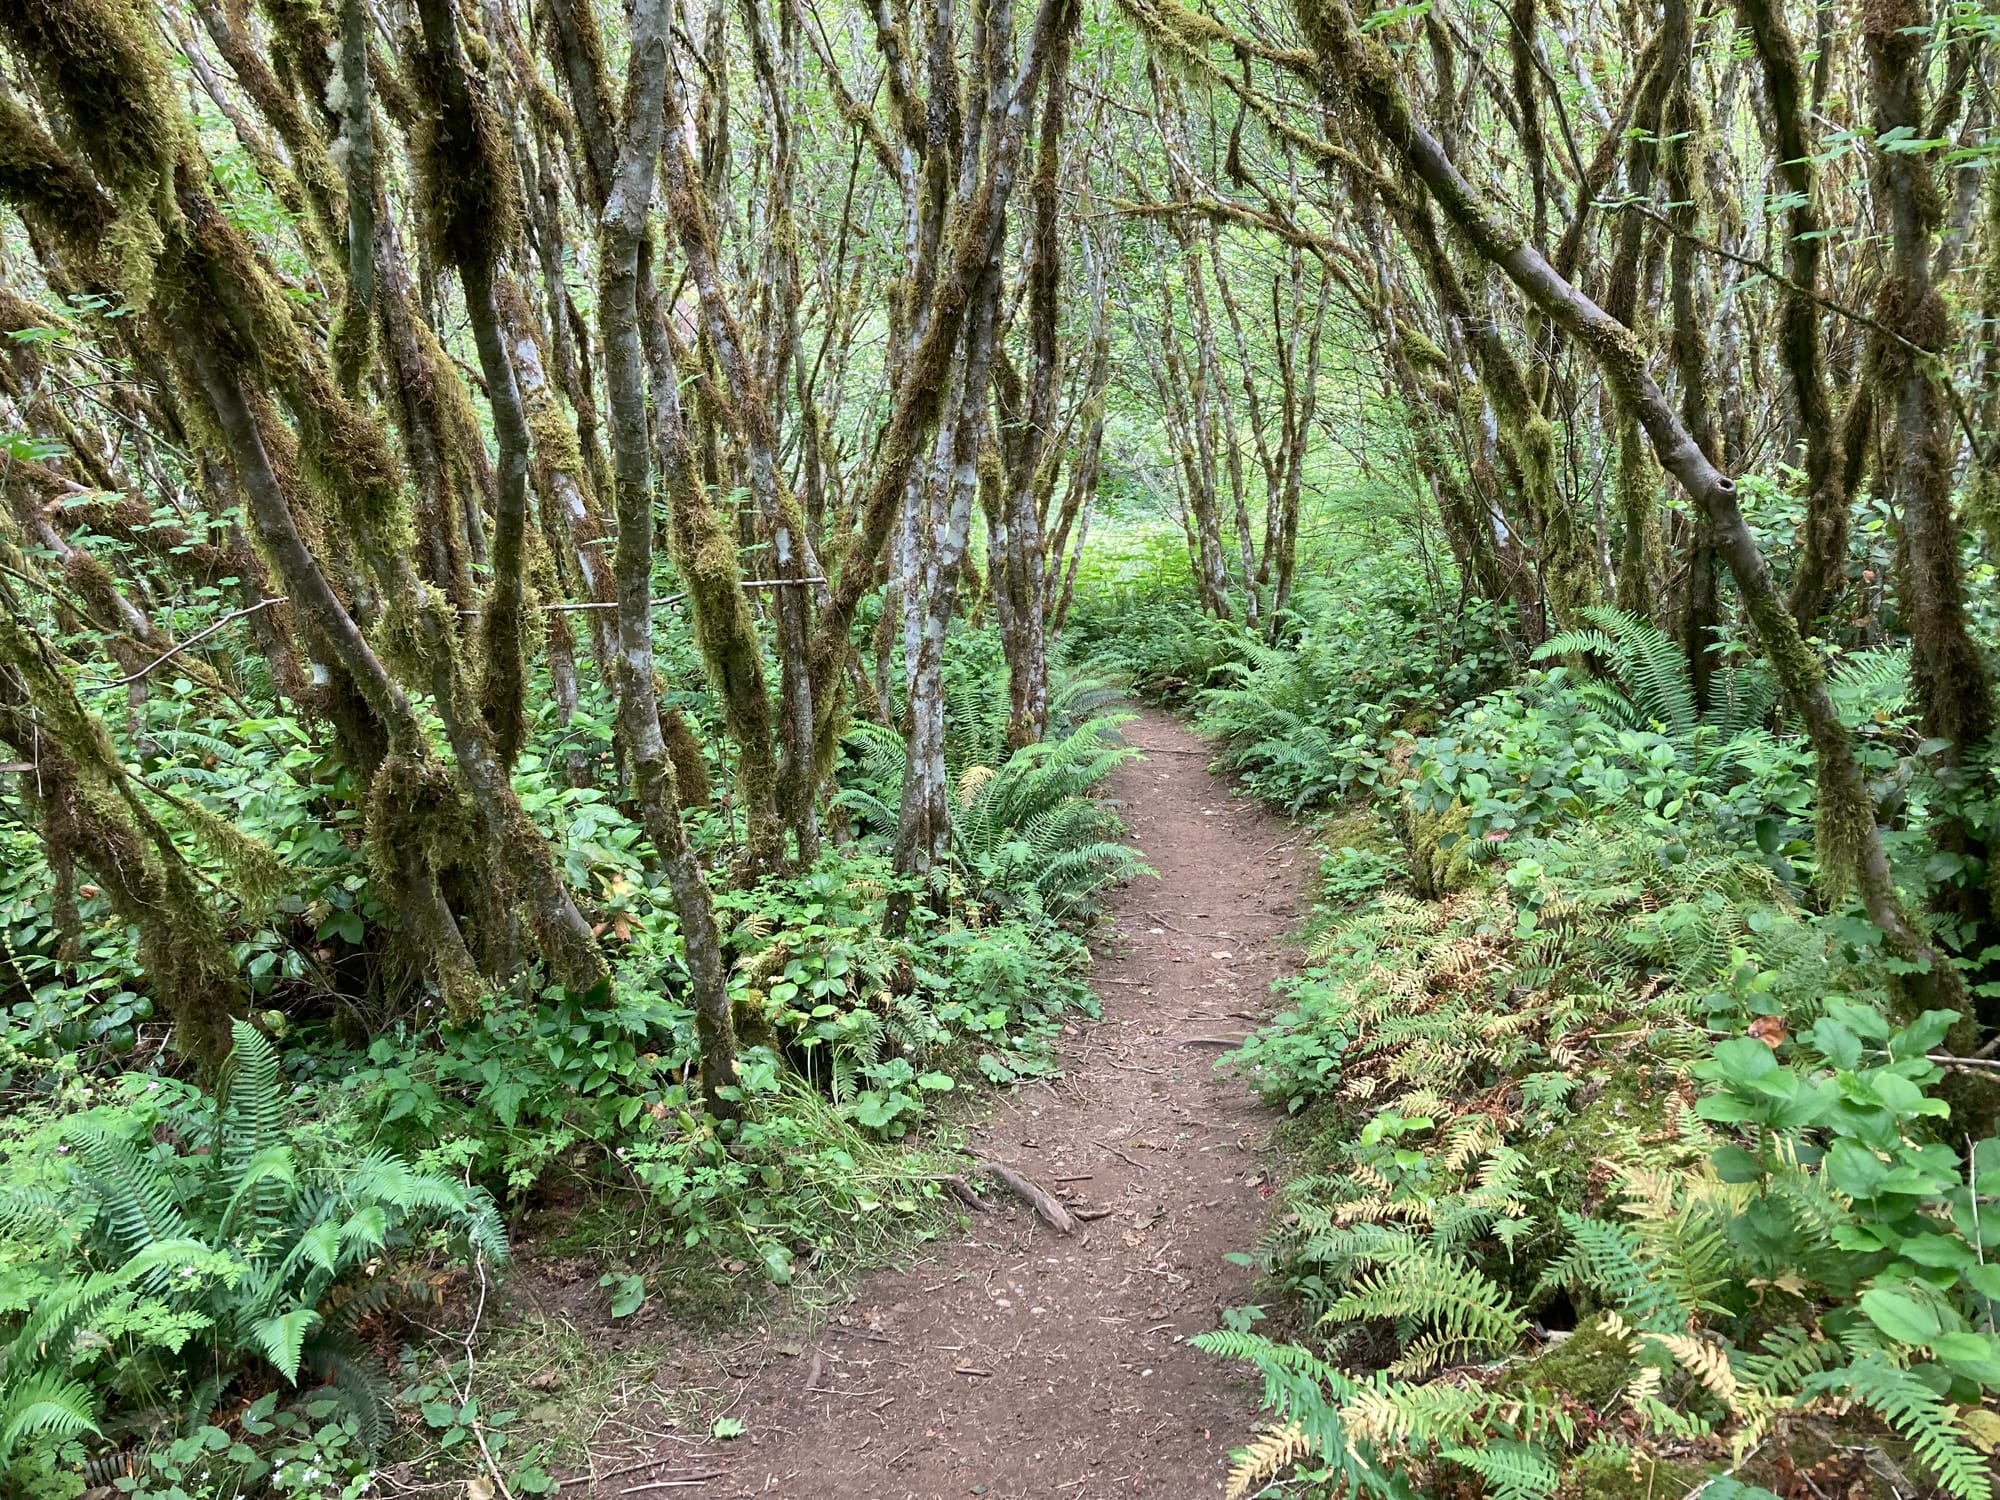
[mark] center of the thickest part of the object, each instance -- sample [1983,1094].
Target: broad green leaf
[1900,1315]
[1973,1355]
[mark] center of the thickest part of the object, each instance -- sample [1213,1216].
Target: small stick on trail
[1043,1202]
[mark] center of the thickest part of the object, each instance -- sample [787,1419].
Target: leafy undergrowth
[1618,1164]
[1522,1140]
[289,1281]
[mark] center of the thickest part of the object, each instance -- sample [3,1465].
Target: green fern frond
[1439,1294]
[1512,1470]
[1788,1358]
[1919,1415]
[47,1404]
[1611,1262]
[135,1196]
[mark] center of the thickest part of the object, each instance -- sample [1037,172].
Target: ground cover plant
[173,1255]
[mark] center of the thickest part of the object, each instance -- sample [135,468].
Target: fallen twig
[644,1463]
[673,1484]
[856,1333]
[462,1396]
[1043,1202]
[1947,1060]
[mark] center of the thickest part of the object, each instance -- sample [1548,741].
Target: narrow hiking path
[1015,1360]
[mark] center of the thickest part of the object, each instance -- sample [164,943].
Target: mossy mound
[1634,1476]
[1356,826]
[1590,1364]
[1436,847]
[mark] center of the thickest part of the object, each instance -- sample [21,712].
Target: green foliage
[1029,835]
[454,1419]
[1617,1064]
[208,1243]
[1162,645]
[1313,720]
[1530,759]
[313,1450]
[852,1038]
[1795,1242]
[1648,684]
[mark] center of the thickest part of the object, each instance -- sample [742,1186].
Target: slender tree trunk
[1819,571]
[1954,689]
[623,234]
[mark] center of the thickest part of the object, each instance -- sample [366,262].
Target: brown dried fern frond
[1270,1453]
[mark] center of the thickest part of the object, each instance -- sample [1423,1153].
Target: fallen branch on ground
[1044,1203]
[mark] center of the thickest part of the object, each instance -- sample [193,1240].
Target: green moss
[416,803]
[726,637]
[91,812]
[104,51]
[419,825]
[1420,348]
[555,443]
[1621,1102]
[465,173]
[1590,1365]
[691,782]
[50,187]
[1639,1476]
[1435,843]
[503,684]
[304,40]
[1355,827]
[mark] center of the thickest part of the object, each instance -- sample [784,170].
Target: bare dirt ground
[1015,1361]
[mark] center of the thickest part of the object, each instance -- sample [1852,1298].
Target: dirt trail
[1015,1361]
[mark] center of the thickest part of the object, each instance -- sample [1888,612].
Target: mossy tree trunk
[1954,688]
[624,222]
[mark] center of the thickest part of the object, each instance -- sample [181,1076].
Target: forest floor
[1012,1360]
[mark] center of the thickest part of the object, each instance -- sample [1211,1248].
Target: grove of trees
[511,503]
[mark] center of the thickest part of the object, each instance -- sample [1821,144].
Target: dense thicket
[546,547]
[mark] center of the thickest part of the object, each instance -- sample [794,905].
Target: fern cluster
[1598,940]
[1031,831]
[1505,1106]
[198,1261]
[1647,684]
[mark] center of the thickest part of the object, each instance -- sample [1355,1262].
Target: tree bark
[630,193]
